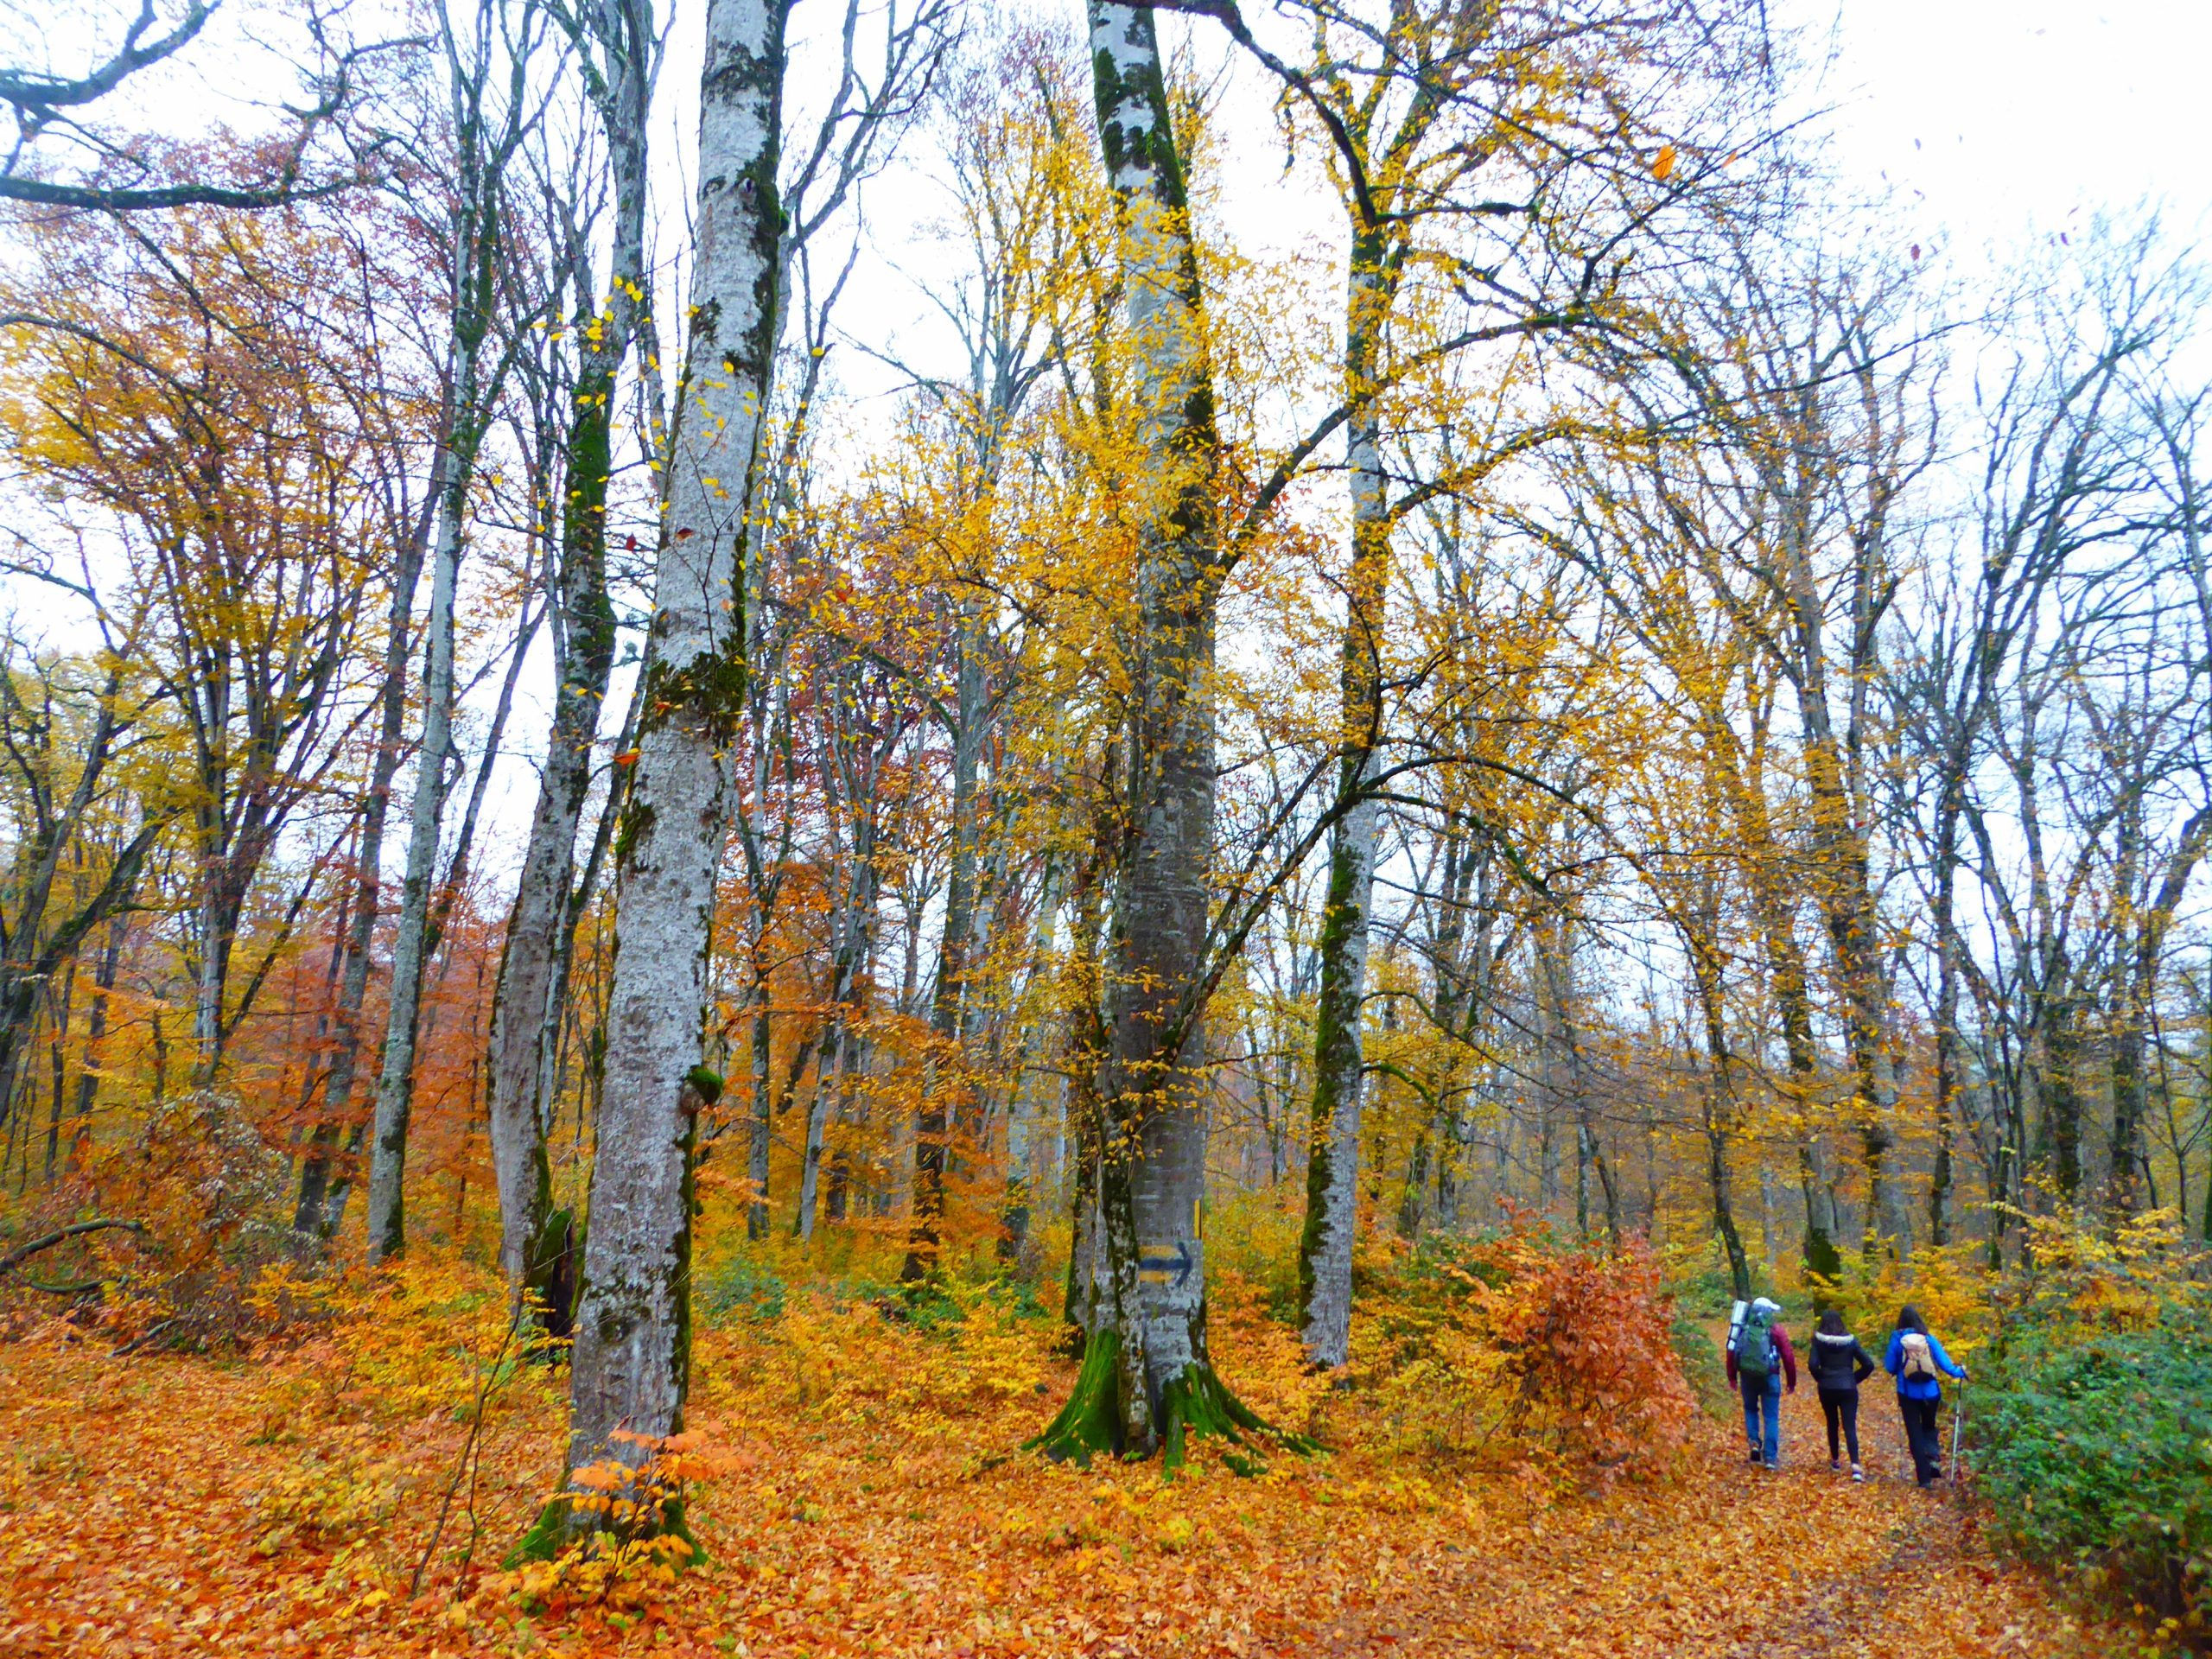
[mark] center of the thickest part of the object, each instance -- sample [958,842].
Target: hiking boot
[1857,1473]
[1835,1465]
[1755,1454]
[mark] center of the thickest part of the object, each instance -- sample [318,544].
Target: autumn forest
[965,828]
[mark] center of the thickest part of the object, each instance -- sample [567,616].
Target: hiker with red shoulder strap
[1916,1360]
[1759,1360]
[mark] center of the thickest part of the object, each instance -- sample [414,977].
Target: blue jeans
[1762,1398]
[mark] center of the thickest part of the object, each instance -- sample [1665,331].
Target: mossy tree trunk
[633,1357]
[616,41]
[1148,1381]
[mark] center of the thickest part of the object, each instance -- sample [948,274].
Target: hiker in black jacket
[1839,1366]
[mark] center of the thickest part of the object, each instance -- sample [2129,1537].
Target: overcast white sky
[1988,118]
[1981,123]
[1993,119]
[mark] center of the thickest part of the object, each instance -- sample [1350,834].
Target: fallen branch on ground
[17,1258]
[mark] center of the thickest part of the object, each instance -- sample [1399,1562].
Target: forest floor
[174,1505]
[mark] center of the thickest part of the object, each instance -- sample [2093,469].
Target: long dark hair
[1909,1319]
[1832,1324]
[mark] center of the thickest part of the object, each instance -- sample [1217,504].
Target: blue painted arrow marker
[1154,1265]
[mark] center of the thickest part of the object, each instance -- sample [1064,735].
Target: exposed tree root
[562,1523]
[1090,1422]
[1192,1406]
[1198,1403]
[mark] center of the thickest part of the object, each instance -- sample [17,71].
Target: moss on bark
[1192,1406]
[1198,1403]
[549,1259]
[547,1537]
[560,1524]
[1090,1422]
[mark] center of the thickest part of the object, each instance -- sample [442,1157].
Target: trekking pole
[1958,1424]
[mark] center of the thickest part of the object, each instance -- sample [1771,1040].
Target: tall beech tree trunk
[856,926]
[489,128]
[760,1136]
[631,1371]
[1081,1050]
[530,998]
[1446,948]
[396,1083]
[2137,986]
[949,1080]
[1718,1095]
[1846,899]
[1146,1381]
[103,976]
[323,1184]
[1724,1212]
[1333,1157]
[1741,769]
[2060,1086]
[1947,1009]
[59,994]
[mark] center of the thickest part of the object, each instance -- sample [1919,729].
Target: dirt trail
[1740,1562]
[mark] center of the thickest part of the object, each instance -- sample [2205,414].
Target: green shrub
[1700,1358]
[1699,1278]
[940,1305]
[2098,1461]
[743,1288]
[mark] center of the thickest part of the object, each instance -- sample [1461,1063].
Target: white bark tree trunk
[488,131]
[532,994]
[632,1365]
[940,1115]
[396,1084]
[1332,1167]
[1147,1379]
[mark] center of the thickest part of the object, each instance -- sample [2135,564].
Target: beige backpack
[1918,1360]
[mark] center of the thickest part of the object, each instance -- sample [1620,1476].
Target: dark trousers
[1921,1434]
[1841,1408]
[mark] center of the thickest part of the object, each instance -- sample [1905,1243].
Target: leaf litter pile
[862,1490]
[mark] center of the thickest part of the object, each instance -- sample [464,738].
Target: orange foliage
[1587,1336]
[855,1485]
[1557,1361]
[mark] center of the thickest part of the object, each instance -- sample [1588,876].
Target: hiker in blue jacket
[1919,1363]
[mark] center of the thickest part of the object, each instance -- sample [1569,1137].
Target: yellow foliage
[334,1495]
[1951,1286]
[2076,1271]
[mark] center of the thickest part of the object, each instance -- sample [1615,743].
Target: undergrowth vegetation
[400,1435]
[2091,1429]
[380,1442]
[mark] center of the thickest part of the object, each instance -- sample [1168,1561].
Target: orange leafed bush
[1515,1346]
[1586,1340]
